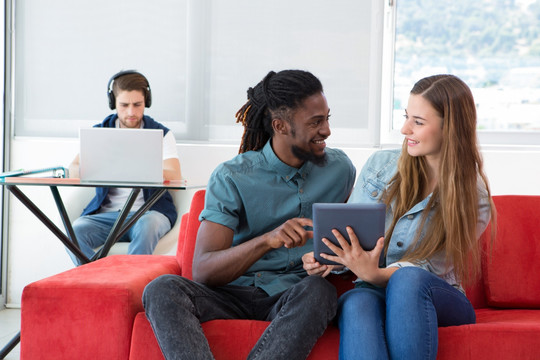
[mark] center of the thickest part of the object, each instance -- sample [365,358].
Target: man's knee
[318,284]
[82,225]
[151,226]
[162,289]
[318,293]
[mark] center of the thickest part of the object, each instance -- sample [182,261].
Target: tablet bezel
[366,219]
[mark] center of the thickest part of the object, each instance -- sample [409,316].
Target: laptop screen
[121,155]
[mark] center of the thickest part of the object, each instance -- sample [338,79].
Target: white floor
[10,322]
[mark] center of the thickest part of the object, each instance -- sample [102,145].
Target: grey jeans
[176,306]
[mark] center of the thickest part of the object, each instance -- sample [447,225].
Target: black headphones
[110,93]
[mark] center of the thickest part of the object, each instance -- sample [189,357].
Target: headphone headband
[110,92]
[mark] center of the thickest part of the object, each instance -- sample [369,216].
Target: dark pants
[176,307]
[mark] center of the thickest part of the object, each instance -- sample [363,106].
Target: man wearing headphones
[129,93]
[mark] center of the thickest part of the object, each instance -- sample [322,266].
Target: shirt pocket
[373,189]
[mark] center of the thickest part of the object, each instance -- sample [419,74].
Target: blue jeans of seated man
[401,320]
[176,307]
[92,231]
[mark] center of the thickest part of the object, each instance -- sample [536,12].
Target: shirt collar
[420,206]
[285,171]
[117,123]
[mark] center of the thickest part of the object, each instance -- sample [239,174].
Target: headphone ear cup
[148,98]
[110,93]
[112,100]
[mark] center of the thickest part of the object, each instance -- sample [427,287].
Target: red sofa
[95,311]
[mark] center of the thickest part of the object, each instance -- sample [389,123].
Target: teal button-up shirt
[255,192]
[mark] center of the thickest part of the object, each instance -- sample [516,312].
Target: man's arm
[74,168]
[216,262]
[171,169]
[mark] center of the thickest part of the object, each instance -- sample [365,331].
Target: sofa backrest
[511,275]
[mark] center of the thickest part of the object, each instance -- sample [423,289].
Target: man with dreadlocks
[248,256]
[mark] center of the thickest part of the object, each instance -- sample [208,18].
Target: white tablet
[367,221]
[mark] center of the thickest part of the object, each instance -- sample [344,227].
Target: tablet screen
[367,221]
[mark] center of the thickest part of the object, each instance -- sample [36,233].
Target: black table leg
[114,234]
[10,345]
[64,216]
[147,205]
[118,230]
[48,223]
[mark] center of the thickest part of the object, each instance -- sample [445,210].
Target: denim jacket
[373,180]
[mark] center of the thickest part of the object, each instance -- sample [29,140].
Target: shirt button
[287,177]
[301,191]
[400,244]
[410,217]
[374,193]
[259,275]
[291,263]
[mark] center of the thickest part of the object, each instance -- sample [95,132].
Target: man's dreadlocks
[276,96]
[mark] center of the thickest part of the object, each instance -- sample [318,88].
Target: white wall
[34,253]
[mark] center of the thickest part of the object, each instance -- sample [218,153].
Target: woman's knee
[361,309]
[359,299]
[409,276]
[407,281]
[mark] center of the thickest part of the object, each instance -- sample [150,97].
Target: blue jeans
[401,321]
[92,231]
[176,307]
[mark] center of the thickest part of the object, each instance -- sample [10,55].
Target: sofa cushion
[144,345]
[498,334]
[511,272]
[228,339]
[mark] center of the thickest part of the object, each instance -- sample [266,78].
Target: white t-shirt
[118,196]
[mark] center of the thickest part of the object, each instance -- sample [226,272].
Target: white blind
[66,51]
[200,57]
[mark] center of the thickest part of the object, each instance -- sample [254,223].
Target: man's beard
[304,155]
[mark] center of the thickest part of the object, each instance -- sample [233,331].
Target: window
[200,57]
[66,51]
[494,46]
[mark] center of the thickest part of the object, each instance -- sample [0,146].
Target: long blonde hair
[454,202]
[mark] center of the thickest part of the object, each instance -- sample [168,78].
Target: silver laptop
[121,155]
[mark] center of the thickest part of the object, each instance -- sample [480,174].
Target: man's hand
[73,169]
[291,234]
[364,264]
[313,267]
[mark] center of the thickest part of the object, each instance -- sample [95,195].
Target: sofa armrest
[88,312]
[190,227]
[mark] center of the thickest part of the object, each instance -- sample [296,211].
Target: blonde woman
[438,204]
